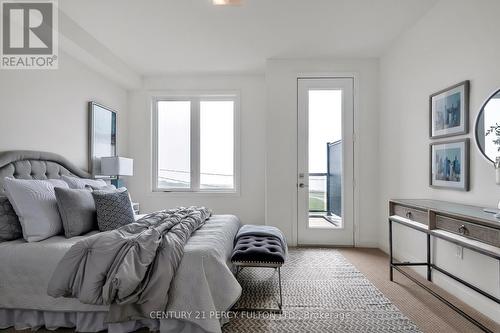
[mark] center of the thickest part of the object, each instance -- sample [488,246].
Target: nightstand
[136,207]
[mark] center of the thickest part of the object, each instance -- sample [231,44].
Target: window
[195,144]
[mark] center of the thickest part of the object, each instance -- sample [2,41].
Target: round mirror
[488,128]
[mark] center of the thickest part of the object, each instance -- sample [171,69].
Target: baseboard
[324,246]
[367,244]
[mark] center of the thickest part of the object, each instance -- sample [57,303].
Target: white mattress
[26,268]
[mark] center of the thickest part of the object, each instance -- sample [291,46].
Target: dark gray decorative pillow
[77,210]
[10,227]
[114,209]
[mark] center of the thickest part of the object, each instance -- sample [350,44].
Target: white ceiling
[193,36]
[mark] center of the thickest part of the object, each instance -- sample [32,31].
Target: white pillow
[57,182]
[81,183]
[34,202]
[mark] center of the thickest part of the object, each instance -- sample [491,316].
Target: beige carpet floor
[423,309]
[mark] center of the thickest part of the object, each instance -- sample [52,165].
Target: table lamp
[117,166]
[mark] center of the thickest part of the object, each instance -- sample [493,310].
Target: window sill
[166,193]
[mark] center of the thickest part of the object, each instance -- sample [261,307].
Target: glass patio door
[325,161]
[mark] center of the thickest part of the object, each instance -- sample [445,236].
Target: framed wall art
[449,111]
[102,136]
[450,164]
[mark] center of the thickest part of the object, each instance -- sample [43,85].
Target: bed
[203,286]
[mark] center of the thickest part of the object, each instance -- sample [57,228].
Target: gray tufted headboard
[27,164]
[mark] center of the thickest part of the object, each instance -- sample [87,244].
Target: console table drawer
[471,230]
[413,214]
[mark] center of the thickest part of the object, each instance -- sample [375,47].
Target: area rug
[322,292]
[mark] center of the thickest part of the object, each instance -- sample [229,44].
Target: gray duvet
[131,268]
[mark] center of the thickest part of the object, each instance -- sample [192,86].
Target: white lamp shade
[117,166]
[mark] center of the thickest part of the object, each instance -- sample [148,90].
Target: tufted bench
[260,246]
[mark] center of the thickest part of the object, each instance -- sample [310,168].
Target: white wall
[47,109]
[454,41]
[281,163]
[271,183]
[249,205]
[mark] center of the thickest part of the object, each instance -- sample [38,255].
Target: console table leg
[391,269]
[429,274]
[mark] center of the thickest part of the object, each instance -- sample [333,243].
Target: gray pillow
[35,204]
[10,227]
[80,183]
[114,209]
[109,188]
[77,211]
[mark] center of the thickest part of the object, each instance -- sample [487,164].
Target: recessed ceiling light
[226,2]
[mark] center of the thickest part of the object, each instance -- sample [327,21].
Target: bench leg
[280,304]
[238,270]
[279,310]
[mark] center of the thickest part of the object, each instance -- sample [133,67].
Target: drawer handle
[409,215]
[463,230]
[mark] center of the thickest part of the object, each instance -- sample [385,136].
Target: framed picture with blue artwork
[450,165]
[449,111]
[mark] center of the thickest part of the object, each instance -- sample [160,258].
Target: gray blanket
[130,268]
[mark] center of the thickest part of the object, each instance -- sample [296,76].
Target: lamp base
[117,183]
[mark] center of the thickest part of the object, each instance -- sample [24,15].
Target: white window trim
[195,98]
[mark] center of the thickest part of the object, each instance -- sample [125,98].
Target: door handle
[302,185]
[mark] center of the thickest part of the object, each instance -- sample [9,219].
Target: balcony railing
[325,189]
[318,193]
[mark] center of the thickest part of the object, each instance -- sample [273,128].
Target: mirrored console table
[463,225]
